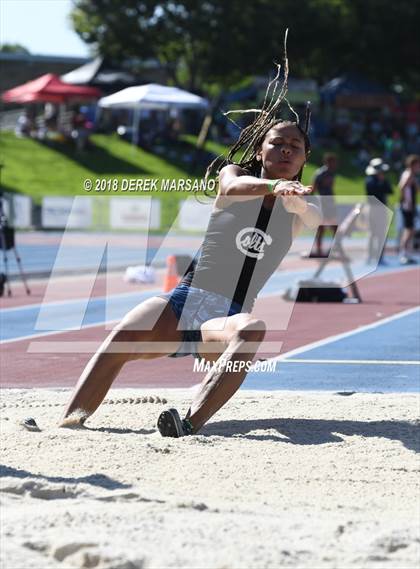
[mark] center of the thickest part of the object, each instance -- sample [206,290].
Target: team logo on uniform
[252,241]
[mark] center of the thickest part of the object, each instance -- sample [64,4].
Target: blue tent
[351,85]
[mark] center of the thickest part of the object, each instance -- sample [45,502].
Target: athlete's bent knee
[126,343]
[252,331]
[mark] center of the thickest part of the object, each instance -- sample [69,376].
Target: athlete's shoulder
[233,170]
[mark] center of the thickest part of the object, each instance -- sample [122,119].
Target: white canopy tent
[151,97]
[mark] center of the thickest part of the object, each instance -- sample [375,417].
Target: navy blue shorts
[202,305]
[408,219]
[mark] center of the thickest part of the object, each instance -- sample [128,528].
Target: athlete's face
[282,152]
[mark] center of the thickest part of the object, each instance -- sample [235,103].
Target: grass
[37,169]
[56,169]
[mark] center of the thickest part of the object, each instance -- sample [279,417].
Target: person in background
[80,131]
[323,184]
[377,186]
[409,187]
[23,125]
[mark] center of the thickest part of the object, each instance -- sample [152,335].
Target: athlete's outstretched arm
[307,213]
[235,182]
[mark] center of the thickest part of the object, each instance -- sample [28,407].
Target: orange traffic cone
[171,278]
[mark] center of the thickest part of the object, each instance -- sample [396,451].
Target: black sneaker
[170,424]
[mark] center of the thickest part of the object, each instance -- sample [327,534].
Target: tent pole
[136,120]
[97,115]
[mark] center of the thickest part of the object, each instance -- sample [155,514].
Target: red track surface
[383,295]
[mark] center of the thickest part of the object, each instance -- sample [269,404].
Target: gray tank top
[243,245]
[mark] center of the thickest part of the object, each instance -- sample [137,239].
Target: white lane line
[84,299]
[330,339]
[359,362]
[43,334]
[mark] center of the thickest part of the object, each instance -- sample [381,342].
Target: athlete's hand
[291,188]
[294,204]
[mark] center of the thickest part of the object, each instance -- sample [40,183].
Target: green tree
[201,42]
[196,41]
[13,48]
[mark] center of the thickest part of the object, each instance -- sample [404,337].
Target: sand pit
[277,479]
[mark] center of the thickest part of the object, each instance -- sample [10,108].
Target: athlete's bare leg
[151,321]
[406,241]
[240,338]
[320,235]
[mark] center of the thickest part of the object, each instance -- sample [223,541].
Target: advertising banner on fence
[73,213]
[22,211]
[134,213]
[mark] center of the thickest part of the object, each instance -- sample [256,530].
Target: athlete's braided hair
[252,136]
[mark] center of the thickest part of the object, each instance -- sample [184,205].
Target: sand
[277,479]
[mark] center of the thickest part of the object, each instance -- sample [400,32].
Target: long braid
[252,136]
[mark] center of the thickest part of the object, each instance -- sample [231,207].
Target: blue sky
[42,26]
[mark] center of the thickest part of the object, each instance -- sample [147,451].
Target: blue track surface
[396,340]
[42,258]
[400,336]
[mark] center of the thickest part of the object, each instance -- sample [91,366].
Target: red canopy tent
[49,88]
